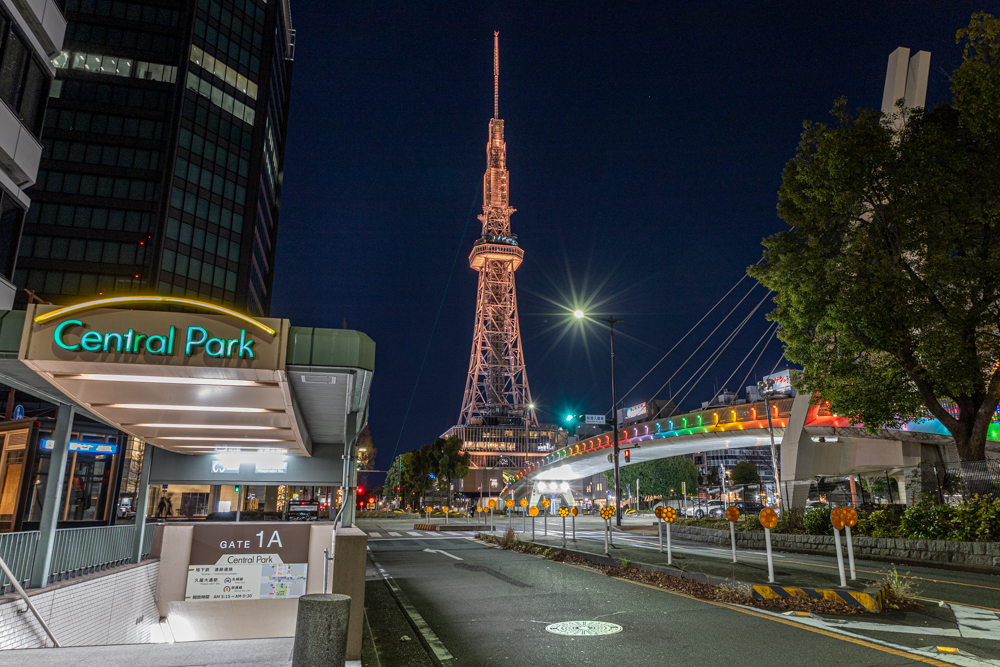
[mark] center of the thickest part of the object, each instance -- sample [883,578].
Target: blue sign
[18,412]
[91,447]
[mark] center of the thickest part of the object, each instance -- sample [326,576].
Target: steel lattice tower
[496,392]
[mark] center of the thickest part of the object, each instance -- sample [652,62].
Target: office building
[162,157]
[30,34]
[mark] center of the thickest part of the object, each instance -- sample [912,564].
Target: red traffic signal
[628,456]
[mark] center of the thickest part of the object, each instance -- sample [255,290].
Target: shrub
[878,523]
[927,521]
[817,521]
[790,522]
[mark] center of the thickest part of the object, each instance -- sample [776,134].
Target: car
[749,507]
[702,508]
[812,504]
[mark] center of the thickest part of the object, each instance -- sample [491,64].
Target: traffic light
[628,456]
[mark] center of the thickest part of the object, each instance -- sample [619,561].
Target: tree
[745,474]
[888,280]
[418,466]
[452,462]
[660,477]
[366,458]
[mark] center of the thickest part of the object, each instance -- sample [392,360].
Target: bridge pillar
[900,490]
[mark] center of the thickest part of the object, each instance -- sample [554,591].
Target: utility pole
[614,414]
[765,388]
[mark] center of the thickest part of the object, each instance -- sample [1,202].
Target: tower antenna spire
[496,73]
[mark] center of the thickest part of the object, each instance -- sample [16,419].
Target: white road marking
[394,534]
[414,533]
[374,534]
[440,651]
[443,553]
[976,623]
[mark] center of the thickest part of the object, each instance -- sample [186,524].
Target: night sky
[645,143]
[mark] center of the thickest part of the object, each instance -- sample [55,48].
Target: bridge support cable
[706,339]
[771,330]
[714,356]
[774,332]
[681,339]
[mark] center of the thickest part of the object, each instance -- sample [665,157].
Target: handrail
[24,596]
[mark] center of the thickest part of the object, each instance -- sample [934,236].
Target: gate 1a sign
[249,561]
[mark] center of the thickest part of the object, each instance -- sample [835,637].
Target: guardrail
[76,551]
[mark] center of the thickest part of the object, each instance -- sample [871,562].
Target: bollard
[840,557]
[670,555]
[850,552]
[732,536]
[321,630]
[770,562]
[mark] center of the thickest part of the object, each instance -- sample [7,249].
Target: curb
[437,527]
[871,599]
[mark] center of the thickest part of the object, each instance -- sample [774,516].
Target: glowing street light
[578,314]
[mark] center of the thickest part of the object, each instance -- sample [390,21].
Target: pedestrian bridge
[814,442]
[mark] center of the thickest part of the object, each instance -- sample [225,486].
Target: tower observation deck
[497,421]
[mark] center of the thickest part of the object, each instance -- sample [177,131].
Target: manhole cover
[584,628]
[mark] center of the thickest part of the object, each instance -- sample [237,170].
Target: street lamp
[579,314]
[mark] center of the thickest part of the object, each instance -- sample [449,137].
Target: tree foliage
[888,280]
[660,477]
[366,458]
[436,464]
[745,473]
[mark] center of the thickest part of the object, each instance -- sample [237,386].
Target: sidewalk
[247,652]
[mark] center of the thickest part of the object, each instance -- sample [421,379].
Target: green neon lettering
[192,342]
[170,341]
[138,340]
[107,339]
[91,341]
[245,345]
[59,334]
[229,346]
[128,341]
[215,347]
[160,343]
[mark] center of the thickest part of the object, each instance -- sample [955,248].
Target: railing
[76,551]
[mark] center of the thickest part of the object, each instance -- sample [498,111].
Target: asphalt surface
[482,606]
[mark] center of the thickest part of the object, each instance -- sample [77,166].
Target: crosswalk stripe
[374,534]
[414,533]
[394,534]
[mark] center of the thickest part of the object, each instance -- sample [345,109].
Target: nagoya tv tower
[498,421]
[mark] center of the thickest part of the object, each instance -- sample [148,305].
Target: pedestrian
[161,507]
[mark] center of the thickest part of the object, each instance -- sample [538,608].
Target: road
[478,605]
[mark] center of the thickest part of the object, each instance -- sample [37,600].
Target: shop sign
[635,411]
[196,341]
[248,562]
[90,447]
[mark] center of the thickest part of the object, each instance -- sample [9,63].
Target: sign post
[733,514]
[606,513]
[545,517]
[850,520]
[564,512]
[533,512]
[524,515]
[492,503]
[837,518]
[510,515]
[669,514]
[768,519]
[573,512]
[684,497]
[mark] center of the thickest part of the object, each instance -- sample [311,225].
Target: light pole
[764,388]
[614,417]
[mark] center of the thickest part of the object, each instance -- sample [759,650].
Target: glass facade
[162,157]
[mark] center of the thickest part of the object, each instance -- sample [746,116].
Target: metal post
[532,529]
[545,522]
[607,531]
[888,486]
[659,533]
[770,562]
[938,481]
[564,532]
[524,520]
[326,570]
[142,504]
[732,536]
[850,552]
[670,554]
[774,452]
[840,557]
[574,527]
[53,497]
[614,415]
[239,501]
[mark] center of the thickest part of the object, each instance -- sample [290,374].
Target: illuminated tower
[496,411]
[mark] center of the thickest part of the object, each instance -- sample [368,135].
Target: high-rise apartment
[30,33]
[162,158]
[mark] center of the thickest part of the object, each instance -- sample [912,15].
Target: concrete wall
[350,558]
[115,607]
[237,619]
[976,554]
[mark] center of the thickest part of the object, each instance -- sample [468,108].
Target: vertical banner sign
[248,562]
